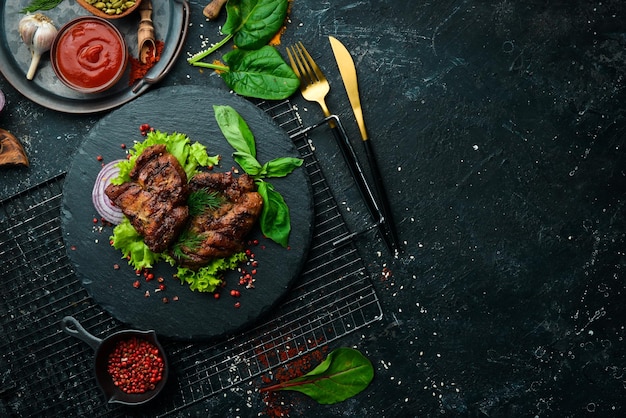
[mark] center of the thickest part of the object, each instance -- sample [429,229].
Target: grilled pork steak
[220,231]
[155,201]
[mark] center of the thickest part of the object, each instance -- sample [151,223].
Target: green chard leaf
[254,22]
[253,69]
[343,374]
[190,156]
[260,73]
[275,221]
[235,129]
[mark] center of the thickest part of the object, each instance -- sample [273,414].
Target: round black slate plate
[194,316]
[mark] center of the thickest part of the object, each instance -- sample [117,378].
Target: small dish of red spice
[138,69]
[135,365]
[130,365]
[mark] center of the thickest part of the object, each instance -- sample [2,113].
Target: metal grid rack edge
[334,297]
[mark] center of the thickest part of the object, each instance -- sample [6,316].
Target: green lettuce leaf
[190,156]
[126,239]
[209,277]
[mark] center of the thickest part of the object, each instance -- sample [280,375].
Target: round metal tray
[170,20]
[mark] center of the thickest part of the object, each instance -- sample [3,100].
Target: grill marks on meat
[221,231]
[155,201]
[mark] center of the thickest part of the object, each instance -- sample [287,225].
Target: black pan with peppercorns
[130,365]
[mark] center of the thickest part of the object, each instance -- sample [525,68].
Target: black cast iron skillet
[103,348]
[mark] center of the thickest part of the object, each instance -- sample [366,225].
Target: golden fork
[314,87]
[313,84]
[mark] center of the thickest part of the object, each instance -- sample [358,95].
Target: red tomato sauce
[90,54]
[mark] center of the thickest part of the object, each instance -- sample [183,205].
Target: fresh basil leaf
[274,220]
[235,129]
[280,167]
[262,73]
[343,374]
[254,22]
[249,164]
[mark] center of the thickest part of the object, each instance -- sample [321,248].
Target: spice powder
[302,363]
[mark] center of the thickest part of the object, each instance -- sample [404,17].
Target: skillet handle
[71,326]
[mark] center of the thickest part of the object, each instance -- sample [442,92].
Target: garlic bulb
[38,32]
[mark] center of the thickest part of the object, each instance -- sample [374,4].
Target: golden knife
[349,77]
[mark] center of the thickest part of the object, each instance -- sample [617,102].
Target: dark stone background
[499,127]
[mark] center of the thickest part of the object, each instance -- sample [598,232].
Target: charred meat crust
[221,231]
[155,200]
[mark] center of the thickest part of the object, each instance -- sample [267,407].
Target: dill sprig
[201,200]
[198,202]
[187,239]
[40,5]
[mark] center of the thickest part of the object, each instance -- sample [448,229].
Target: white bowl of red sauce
[89,54]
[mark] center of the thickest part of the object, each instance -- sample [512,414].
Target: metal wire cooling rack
[43,372]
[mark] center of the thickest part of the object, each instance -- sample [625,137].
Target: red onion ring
[105,208]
